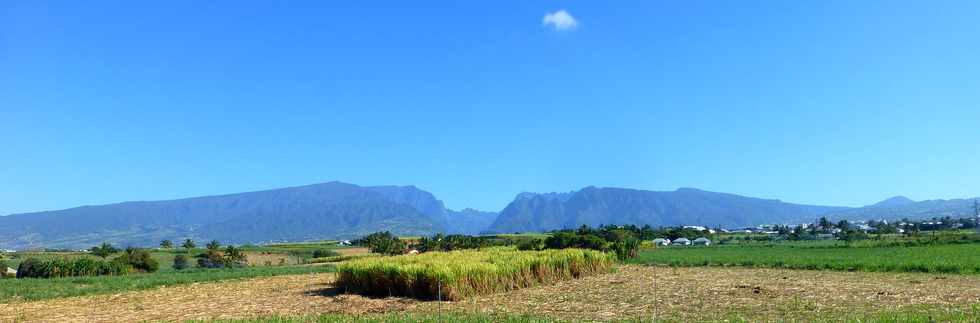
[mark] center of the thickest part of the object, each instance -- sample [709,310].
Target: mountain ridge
[610,205]
[291,213]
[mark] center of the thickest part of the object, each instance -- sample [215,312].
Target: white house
[681,242]
[661,242]
[702,241]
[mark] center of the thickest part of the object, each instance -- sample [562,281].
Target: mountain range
[338,210]
[329,210]
[594,206]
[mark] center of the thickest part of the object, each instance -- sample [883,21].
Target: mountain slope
[329,210]
[896,201]
[888,210]
[469,221]
[594,206]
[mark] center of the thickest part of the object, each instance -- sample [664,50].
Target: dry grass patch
[256,258]
[294,295]
[456,275]
[698,294]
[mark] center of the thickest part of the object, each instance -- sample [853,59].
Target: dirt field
[632,292]
[271,259]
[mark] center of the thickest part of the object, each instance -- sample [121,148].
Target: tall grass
[458,274]
[65,267]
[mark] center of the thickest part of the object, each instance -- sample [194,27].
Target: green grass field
[31,289]
[938,258]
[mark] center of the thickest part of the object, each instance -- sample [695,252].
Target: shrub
[139,259]
[459,274]
[323,253]
[180,262]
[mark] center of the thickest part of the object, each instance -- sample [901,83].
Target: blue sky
[828,102]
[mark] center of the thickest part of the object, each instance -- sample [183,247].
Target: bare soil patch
[631,293]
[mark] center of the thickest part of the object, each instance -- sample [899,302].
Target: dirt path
[632,292]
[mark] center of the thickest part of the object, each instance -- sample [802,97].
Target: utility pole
[976,215]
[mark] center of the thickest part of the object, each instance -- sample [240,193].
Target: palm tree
[189,244]
[213,245]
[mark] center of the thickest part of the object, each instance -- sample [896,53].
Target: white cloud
[560,20]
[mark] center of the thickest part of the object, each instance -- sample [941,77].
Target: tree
[825,223]
[213,245]
[166,244]
[104,250]
[384,243]
[189,244]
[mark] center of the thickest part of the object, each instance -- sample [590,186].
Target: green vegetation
[383,243]
[623,242]
[323,253]
[30,289]
[458,274]
[105,250]
[138,260]
[189,244]
[63,267]
[181,262]
[232,257]
[933,258]
[132,260]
